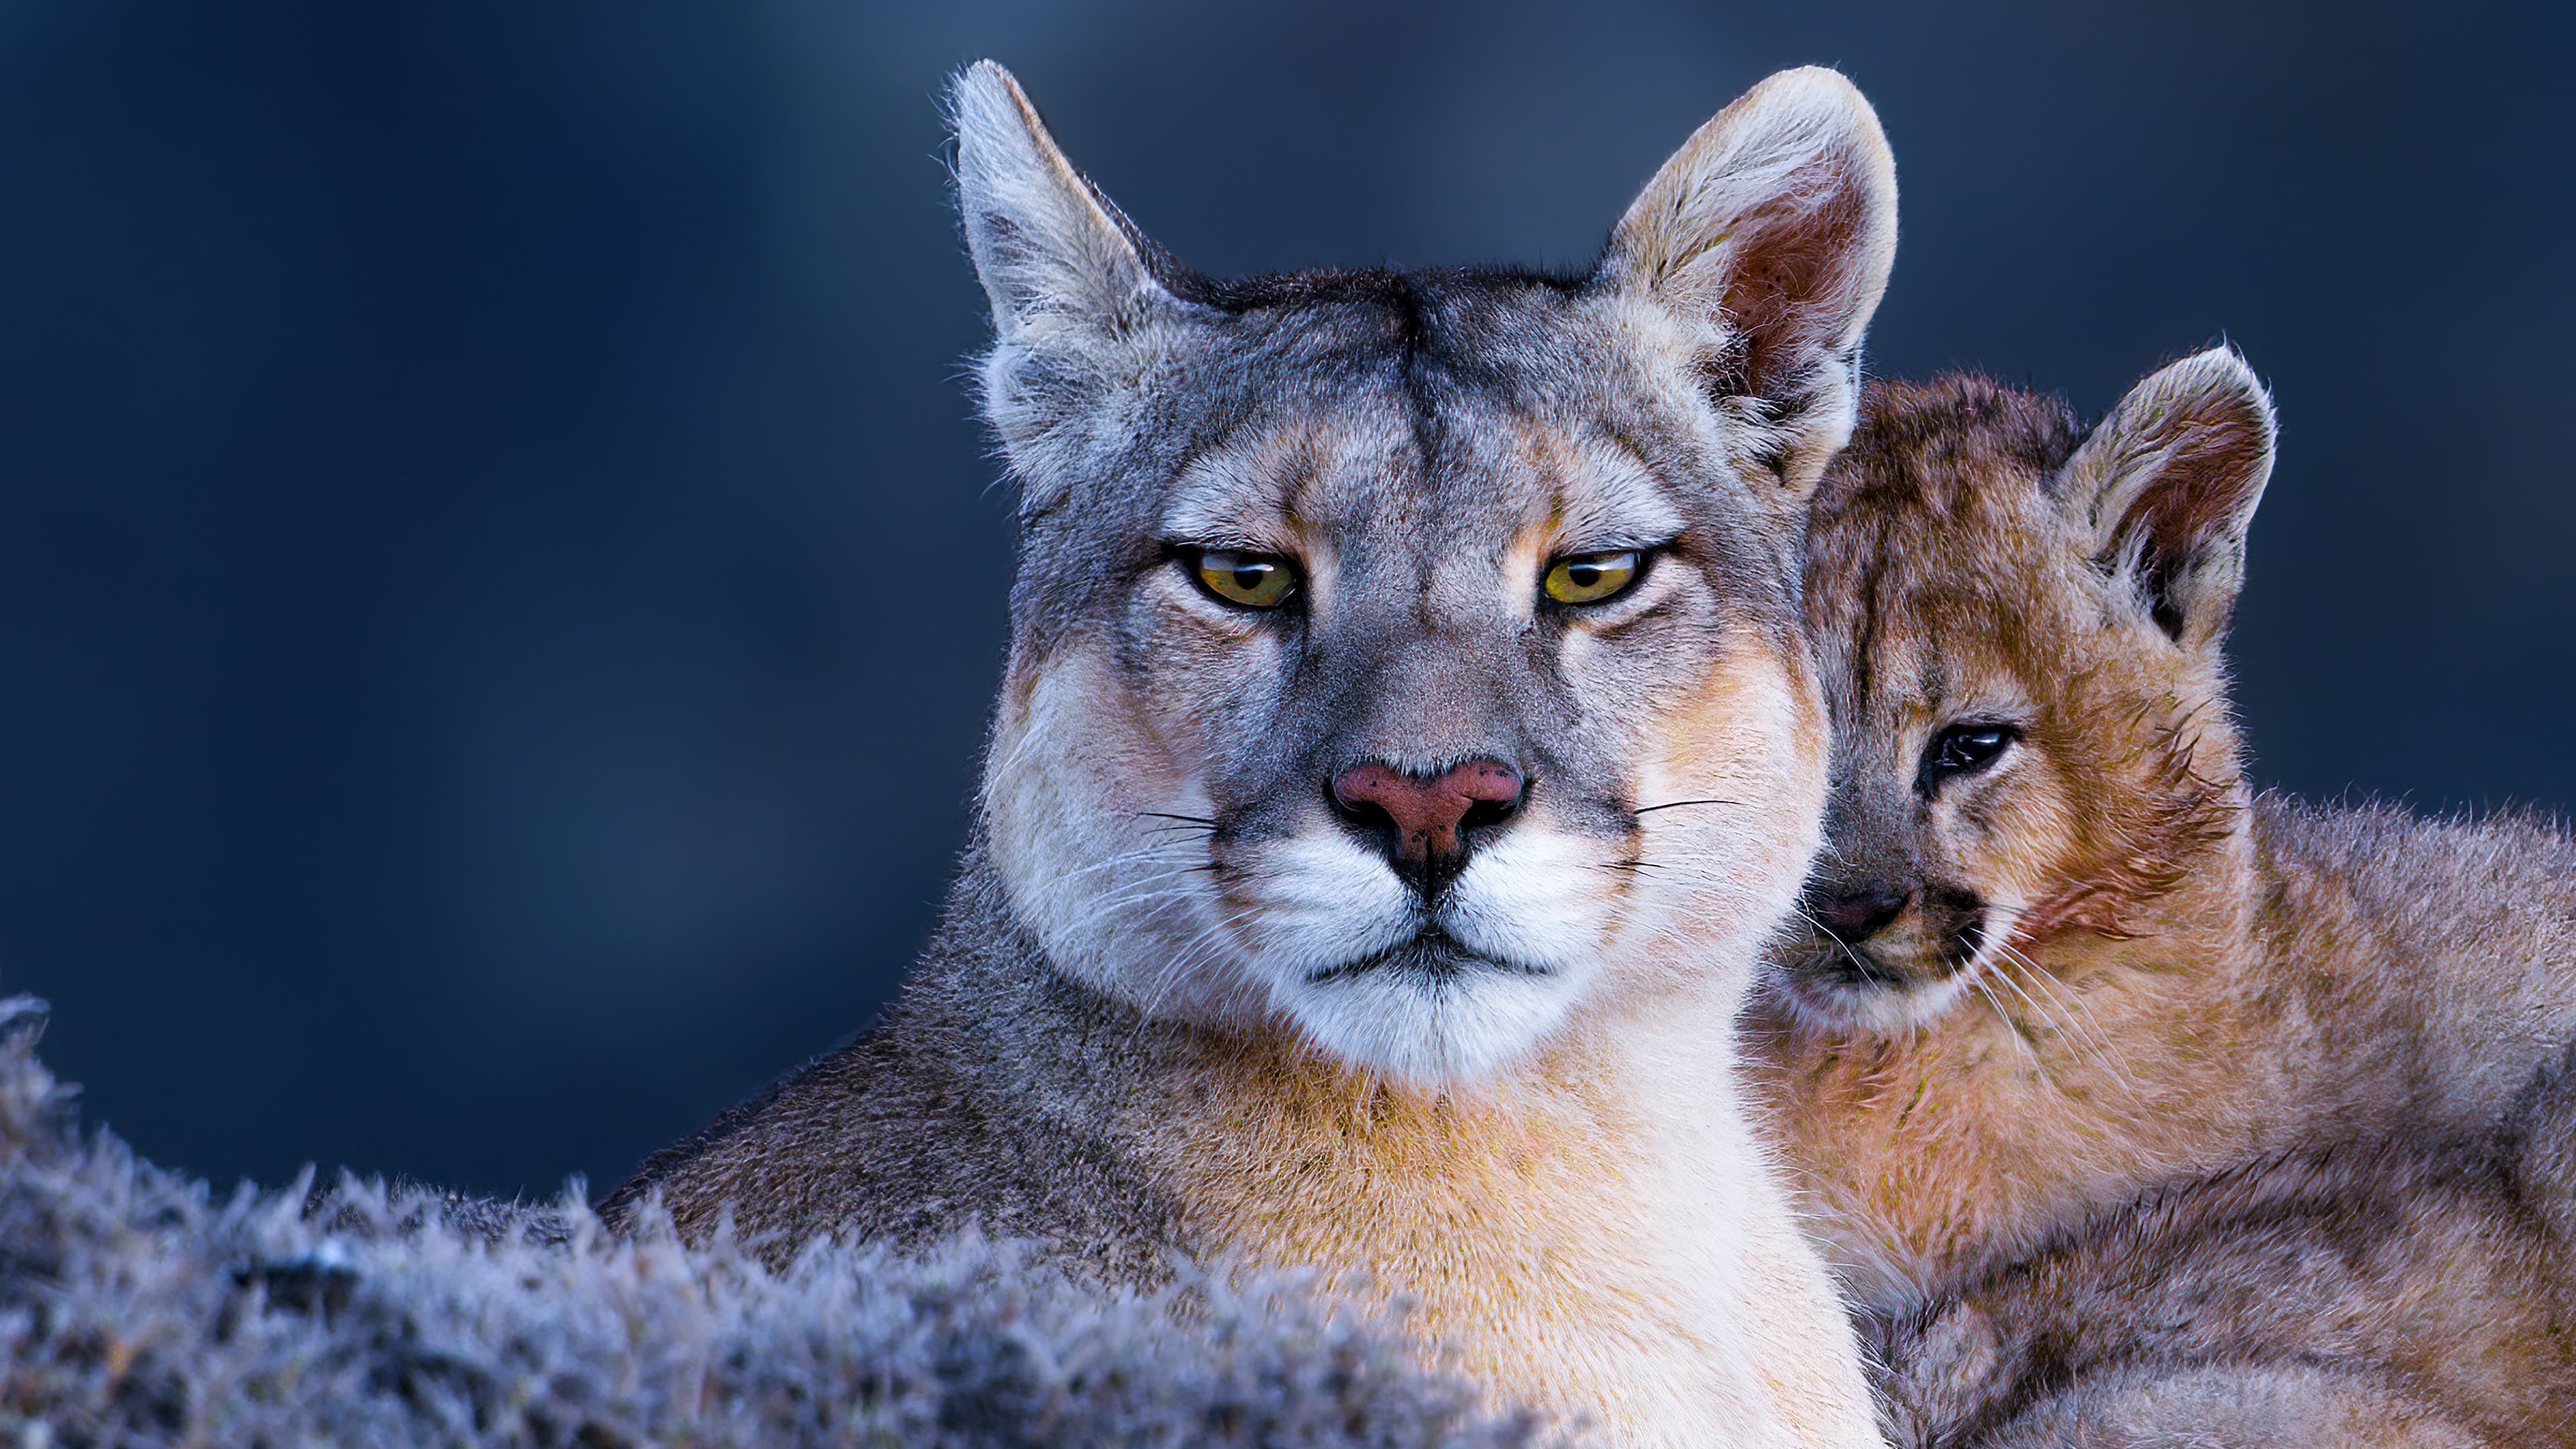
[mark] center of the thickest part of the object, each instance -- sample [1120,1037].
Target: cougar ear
[1076,305]
[2167,485]
[1768,237]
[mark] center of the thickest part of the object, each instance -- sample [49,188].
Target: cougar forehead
[1397,416]
[1938,566]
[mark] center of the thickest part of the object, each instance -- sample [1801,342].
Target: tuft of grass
[139,1308]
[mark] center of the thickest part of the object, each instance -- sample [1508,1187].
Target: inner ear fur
[2167,485]
[1768,236]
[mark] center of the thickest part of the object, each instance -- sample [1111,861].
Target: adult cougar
[1407,748]
[2060,952]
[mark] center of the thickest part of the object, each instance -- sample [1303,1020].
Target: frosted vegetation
[139,1308]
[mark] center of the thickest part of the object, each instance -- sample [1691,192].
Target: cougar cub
[1407,747]
[2056,950]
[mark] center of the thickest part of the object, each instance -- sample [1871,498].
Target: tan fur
[1487,1211]
[1590,1232]
[2196,977]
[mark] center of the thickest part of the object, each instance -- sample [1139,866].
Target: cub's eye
[1962,749]
[1593,578]
[1251,580]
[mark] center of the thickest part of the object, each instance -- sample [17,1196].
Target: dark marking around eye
[1977,811]
[1640,622]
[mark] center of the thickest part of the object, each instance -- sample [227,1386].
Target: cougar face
[2019,631]
[1409,660]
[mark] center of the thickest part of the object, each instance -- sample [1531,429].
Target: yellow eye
[1249,579]
[1592,578]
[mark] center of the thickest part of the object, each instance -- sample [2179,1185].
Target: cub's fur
[2064,954]
[1407,749]
[2359,1295]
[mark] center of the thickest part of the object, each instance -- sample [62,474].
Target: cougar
[1406,750]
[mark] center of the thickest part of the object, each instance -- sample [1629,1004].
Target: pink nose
[1429,814]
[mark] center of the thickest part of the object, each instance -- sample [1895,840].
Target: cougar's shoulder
[2303,1294]
[2442,947]
[985,1098]
[2507,876]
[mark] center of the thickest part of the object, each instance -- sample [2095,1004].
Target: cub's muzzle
[1853,916]
[1891,931]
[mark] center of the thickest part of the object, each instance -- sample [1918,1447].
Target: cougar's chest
[1583,1247]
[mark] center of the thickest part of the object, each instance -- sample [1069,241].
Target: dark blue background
[499,586]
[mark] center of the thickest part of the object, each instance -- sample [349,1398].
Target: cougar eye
[1593,578]
[1962,749]
[1251,580]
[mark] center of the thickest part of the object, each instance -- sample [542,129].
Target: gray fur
[2543,1150]
[1397,435]
[2355,1295]
[2455,940]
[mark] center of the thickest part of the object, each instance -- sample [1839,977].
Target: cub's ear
[1076,306]
[2167,485]
[1768,239]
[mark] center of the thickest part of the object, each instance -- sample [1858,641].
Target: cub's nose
[1428,819]
[1853,916]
